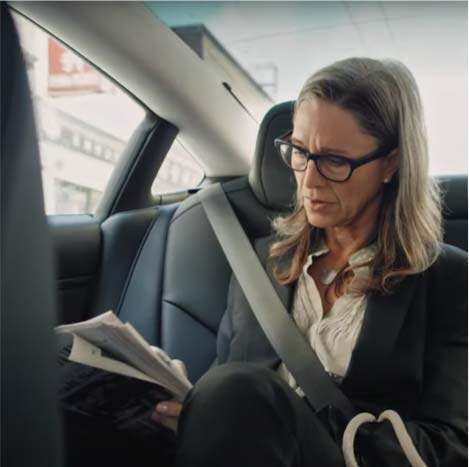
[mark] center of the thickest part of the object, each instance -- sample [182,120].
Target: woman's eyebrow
[322,150]
[296,141]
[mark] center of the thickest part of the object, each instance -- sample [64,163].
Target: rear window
[179,171]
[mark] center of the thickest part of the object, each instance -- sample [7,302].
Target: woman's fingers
[167,413]
[170,408]
[180,366]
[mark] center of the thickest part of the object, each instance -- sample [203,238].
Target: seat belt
[286,339]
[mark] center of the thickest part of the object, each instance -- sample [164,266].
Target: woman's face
[320,127]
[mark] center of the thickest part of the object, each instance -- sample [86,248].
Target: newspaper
[106,343]
[110,374]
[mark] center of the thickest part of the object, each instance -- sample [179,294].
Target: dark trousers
[237,415]
[241,415]
[93,442]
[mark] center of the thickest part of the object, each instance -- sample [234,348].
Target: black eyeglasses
[331,166]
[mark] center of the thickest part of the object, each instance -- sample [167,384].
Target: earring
[386,180]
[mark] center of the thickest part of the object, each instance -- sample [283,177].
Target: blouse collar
[361,256]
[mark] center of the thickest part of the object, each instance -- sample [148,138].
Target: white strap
[403,437]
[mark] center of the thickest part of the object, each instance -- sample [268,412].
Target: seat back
[454,191]
[30,419]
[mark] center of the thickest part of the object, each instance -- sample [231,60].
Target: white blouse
[333,337]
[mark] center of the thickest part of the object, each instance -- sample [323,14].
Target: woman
[381,301]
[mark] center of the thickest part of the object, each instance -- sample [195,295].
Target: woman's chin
[321,221]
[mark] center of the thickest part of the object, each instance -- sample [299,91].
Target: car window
[84,122]
[266,50]
[179,171]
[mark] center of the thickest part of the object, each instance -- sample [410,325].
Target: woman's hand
[167,413]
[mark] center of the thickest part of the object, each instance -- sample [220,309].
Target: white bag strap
[403,437]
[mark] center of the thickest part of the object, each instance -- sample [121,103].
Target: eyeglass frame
[378,153]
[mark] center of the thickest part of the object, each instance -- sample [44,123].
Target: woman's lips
[316,203]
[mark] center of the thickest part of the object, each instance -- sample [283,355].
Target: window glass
[179,171]
[84,122]
[266,50]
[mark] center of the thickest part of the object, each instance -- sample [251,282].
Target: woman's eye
[297,154]
[297,159]
[336,161]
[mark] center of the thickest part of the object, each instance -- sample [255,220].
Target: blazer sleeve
[439,428]
[225,330]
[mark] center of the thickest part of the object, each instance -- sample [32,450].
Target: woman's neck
[342,242]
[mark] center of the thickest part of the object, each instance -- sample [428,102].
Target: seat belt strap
[266,305]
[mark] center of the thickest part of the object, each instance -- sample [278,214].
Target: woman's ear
[392,161]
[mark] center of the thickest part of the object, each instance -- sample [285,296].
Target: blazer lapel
[382,322]
[285,292]
[383,319]
[251,341]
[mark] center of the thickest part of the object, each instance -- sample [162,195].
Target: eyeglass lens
[329,166]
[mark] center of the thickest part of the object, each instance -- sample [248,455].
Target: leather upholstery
[271,183]
[141,298]
[197,276]
[122,235]
[454,191]
[131,268]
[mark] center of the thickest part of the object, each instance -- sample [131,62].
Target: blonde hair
[384,98]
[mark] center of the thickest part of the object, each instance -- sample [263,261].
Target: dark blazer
[411,356]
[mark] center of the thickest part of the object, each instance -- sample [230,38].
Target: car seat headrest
[272,182]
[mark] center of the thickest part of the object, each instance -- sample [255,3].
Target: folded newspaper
[109,371]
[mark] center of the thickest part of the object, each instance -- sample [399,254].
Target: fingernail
[162,408]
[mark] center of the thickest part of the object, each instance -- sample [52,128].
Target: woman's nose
[312,176]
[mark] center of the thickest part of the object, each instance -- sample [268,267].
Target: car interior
[154,261]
